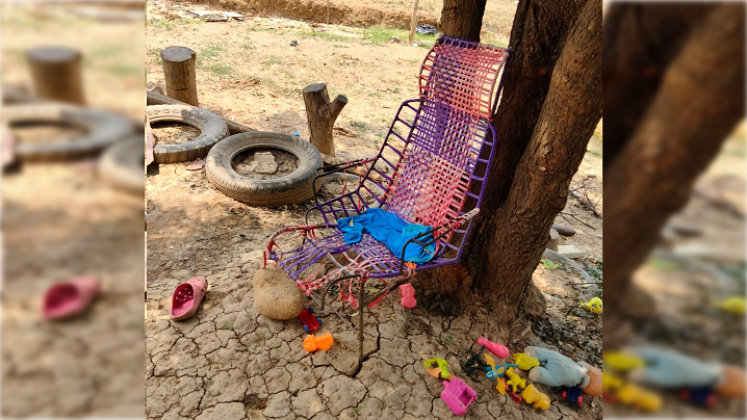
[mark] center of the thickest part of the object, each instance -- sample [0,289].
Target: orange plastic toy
[323,342]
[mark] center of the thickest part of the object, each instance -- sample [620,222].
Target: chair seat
[369,255]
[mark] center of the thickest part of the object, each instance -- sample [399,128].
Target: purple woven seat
[431,169]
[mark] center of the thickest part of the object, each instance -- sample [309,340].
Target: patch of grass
[379,35]
[359,125]
[122,69]
[210,52]
[492,39]
[273,59]
[327,35]
[222,69]
[597,153]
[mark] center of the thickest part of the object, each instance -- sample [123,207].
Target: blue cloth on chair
[389,229]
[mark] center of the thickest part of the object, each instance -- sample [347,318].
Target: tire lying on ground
[212,130]
[123,165]
[103,129]
[293,188]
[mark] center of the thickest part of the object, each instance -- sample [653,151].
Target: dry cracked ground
[229,362]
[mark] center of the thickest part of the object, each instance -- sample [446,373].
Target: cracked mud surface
[230,362]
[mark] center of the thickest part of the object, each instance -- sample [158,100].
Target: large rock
[276,296]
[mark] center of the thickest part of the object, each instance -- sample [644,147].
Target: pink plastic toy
[458,396]
[408,296]
[498,349]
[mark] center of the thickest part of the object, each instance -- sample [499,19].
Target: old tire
[293,188]
[104,128]
[212,130]
[122,165]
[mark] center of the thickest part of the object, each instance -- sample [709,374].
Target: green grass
[359,125]
[210,52]
[326,35]
[221,69]
[273,59]
[379,35]
[597,153]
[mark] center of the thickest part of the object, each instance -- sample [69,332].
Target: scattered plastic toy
[594,305]
[572,395]
[294,43]
[310,323]
[437,368]
[322,342]
[622,362]
[700,396]
[408,296]
[473,363]
[515,381]
[458,396]
[525,362]
[501,386]
[638,397]
[498,349]
[734,305]
[516,397]
[533,396]
[297,134]
[494,373]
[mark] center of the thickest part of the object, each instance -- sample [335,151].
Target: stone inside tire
[212,130]
[123,165]
[293,188]
[103,129]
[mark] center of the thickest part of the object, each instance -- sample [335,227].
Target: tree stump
[321,114]
[413,22]
[179,71]
[56,74]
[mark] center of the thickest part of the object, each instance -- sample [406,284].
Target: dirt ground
[62,221]
[230,362]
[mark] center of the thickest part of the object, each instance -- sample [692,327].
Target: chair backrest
[434,175]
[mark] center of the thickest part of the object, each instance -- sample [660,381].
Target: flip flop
[187,298]
[69,298]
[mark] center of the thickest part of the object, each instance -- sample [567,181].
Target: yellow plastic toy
[515,380]
[533,395]
[734,305]
[594,305]
[610,383]
[501,386]
[640,398]
[621,362]
[525,362]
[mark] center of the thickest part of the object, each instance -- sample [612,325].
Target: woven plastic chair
[431,170]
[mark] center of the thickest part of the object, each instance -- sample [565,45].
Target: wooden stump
[56,74]
[179,71]
[413,22]
[321,114]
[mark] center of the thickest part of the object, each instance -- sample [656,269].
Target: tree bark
[462,18]
[56,74]
[413,22]
[640,42]
[672,143]
[521,225]
[179,72]
[321,115]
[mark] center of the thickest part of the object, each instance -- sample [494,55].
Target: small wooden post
[56,74]
[321,114]
[413,22]
[179,72]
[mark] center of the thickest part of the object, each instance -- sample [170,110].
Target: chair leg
[360,325]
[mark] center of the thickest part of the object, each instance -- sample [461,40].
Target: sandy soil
[251,75]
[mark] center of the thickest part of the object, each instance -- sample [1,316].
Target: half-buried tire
[123,165]
[212,130]
[293,188]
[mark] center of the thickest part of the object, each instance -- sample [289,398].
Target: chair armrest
[447,228]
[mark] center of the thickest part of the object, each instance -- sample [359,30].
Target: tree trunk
[413,22]
[550,105]
[672,142]
[57,74]
[321,115]
[462,18]
[179,72]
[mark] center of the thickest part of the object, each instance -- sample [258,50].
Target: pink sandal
[69,298]
[187,298]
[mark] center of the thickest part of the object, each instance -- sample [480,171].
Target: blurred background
[72,209]
[674,189]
